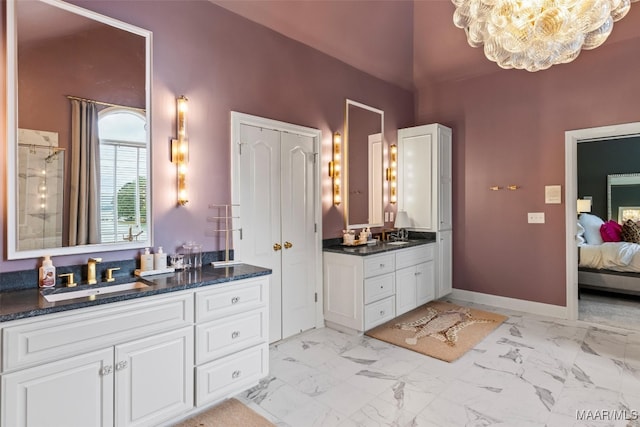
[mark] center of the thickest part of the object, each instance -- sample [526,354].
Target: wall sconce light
[392,174]
[180,150]
[335,168]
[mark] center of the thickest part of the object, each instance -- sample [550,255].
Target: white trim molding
[572,138]
[538,308]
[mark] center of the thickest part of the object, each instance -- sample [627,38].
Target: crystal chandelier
[536,34]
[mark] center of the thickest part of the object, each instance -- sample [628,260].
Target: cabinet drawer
[379,264]
[54,338]
[228,300]
[231,374]
[376,288]
[225,336]
[412,256]
[379,312]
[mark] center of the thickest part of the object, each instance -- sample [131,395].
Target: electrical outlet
[535,217]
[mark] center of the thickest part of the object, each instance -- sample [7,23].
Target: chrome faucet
[91,270]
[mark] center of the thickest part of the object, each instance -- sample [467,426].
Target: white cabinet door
[405,290]
[75,392]
[154,378]
[425,282]
[445,263]
[415,180]
[343,293]
[445,213]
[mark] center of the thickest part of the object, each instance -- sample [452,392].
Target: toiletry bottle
[159,259]
[47,273]
[146,260]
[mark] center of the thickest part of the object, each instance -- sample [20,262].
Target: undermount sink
[82,293]
[397,243]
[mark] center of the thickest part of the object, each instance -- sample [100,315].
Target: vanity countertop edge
[26,303]
[380,247]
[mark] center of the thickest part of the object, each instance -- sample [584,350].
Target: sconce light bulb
[44,172]
[43,206]
[182,104]
[182,169]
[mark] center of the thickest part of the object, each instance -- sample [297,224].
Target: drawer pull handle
[235,300]
[382,287]
[236,374]
[106,370]
[121,365]
[235,334]
[417,273]
[381,265]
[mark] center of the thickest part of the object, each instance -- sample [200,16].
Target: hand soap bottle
[159,259]
[146,260]
[47,273]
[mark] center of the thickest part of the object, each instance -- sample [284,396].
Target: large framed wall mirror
[623,197]
[78,131]
[364,155]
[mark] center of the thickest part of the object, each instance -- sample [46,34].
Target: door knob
[277,247]
[288,245]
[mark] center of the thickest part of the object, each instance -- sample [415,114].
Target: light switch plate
[386,216]
[391,216]
[535,217]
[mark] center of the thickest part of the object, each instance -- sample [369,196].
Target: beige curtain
[84,197]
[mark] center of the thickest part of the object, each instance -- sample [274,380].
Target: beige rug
[230,413]
[439,329]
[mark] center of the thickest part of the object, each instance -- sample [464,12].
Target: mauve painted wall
[509,128]
[224,63]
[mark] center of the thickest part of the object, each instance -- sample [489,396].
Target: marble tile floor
[530,371]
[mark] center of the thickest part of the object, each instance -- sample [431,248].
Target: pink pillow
[611,231]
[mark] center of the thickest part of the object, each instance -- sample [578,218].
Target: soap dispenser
[47,273]
[159,259]
[146,260]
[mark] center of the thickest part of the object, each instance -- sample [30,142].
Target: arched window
[123,172]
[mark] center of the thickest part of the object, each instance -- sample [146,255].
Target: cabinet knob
[417,273]
[236,374]
[381,312]
[288,245]
[277,247]
[381,265]
[106,370]
[235,300]
[235,334]
[121,365]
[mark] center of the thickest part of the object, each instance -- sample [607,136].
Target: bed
[611,266]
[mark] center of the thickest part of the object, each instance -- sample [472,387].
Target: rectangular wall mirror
[623,197]
[78,131]
[364,160]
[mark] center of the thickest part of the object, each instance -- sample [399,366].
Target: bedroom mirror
[78,110]
[623,197]
[364,155]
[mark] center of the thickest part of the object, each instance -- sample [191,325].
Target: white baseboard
[533,307]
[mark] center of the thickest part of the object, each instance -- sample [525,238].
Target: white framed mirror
[364,171]
[78,131]
[623,197]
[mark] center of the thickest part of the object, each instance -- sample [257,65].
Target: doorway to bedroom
[603,194]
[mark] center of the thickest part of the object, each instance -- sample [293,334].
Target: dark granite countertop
[29,302]
[380,247]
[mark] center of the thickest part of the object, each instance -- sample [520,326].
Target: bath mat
[230,413]
[439,329]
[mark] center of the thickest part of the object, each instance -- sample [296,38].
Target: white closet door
[260,211]
[298,234]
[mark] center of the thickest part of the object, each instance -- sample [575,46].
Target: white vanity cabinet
[108,365]
[361,292]
[142,362]
[415,278]
[232,343]
[425,190]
